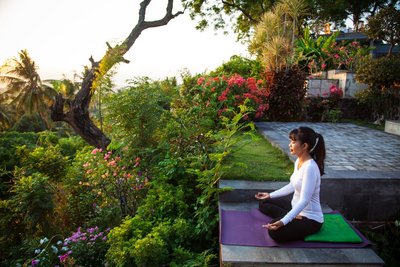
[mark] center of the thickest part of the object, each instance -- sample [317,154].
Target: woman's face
[296,148]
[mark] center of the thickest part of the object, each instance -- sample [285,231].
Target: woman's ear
[306,146]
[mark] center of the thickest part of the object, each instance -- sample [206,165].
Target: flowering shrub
[85,247]
[337,56]
[346,56]
[225,93]
[336,92]
[115,180]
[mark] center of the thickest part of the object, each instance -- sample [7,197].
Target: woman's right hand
[262,195]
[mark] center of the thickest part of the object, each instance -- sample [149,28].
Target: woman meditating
[304,215]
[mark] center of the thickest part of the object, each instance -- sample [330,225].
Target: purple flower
[34,262]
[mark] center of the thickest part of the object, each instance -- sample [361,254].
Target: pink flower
[34,262]
[112,163]
[64,257]
[336,56]
[323,66]
[200,80]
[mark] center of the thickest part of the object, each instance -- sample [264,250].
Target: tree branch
[78,114]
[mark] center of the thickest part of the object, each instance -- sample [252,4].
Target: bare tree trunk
[77,113]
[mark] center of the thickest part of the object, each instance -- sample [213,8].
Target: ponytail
[318,152]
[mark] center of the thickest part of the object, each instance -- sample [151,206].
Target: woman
[304,216]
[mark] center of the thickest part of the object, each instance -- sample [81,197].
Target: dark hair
[316,150]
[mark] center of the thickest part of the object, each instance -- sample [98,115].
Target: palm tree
[25,89]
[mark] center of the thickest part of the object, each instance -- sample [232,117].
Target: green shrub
[9,158]
[383,93]
[239,65]
[69,146]
[46,160]
[32,202]
[150,251]
[136,113]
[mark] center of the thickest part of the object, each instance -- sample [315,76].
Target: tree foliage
[385,26]
[219,14]
[243,15]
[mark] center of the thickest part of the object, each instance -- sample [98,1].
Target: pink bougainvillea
[228,93]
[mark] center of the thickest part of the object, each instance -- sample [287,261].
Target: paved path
[349,147]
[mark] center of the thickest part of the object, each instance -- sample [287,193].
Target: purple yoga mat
[243,228]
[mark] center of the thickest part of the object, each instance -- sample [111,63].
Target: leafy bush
[286,94]
[136,113]
[46,160]
[69,146]
[239,65]
[383,93]
[9,158]
[33,200]
[149,236]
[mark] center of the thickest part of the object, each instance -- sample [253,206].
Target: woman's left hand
[273,226]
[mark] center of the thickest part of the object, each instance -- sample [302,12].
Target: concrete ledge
[262,256]
[392,127]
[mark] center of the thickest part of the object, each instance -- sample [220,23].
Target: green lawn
[365,124]
[256,159]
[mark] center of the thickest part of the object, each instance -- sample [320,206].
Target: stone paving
[349,147]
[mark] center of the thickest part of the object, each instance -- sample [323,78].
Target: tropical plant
[25,89]
[274,35]
[308,49]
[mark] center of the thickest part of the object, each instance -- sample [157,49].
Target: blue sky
[61,35]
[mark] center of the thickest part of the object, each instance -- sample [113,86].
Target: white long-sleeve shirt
[305,183]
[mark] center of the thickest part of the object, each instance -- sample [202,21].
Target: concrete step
[241,197]
[244,191]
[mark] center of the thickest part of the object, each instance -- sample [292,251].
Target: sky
[61,35]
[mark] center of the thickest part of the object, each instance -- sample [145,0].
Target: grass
[254,158]
[365,124]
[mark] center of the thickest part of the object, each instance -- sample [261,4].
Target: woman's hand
[273,226]
[262,195]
